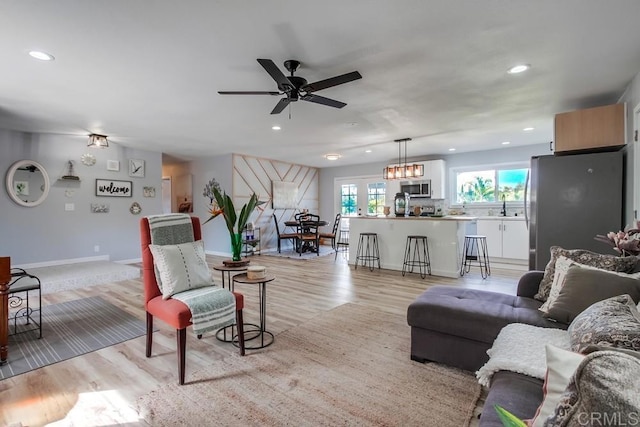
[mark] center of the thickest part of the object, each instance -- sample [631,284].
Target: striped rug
[70,329]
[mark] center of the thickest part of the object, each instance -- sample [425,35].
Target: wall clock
[136,168]
[88,159]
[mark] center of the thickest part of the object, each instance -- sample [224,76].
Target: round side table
[262,293]
[227,283]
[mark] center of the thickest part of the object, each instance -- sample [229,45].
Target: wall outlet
[96,248]
[69,207]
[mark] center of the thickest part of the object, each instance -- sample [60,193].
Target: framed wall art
[113,165]
[100,207]
[149,191]
[285,195]
[113,188]
[136,168]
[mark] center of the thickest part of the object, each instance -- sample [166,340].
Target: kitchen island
[445,239]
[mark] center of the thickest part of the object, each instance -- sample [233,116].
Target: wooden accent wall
[254,175]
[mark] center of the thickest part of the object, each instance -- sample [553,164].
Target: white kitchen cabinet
[506,238]
[435,171]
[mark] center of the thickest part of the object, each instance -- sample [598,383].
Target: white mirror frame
[9,183]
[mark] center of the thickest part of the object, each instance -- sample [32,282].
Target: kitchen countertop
[502,218]
[420,218]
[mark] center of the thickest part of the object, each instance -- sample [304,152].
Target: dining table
[303,224]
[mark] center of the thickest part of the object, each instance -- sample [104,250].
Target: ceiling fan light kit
[402,170]
[295,87]
[98,141]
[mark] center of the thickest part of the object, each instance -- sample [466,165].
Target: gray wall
[214,233]
[504,155]
[47,233]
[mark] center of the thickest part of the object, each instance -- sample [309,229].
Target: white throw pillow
[561,364]
[562,266]
[181,267]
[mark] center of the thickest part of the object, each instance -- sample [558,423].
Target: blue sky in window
[512,177]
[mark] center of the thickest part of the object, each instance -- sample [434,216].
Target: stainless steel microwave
[417,188]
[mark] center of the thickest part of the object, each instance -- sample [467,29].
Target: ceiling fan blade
[281,105]
[322,100]
[333,81]
[248,93]
[275,73]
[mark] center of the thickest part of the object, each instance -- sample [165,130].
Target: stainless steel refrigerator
[572,199]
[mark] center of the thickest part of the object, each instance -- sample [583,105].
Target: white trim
[129,261]
[453,191]
[63,261]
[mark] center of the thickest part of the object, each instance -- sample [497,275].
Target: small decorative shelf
[70,176]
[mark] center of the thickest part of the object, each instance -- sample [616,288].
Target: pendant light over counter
[402,170]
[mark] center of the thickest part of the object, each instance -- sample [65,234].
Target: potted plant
[221,204]
[625,242]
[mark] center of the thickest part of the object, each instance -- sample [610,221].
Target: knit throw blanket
[170,229]
[211,307]
[521,348]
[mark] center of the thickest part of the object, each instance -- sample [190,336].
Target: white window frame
[453,191]
[362,185]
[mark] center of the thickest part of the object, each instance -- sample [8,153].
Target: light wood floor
[100,388]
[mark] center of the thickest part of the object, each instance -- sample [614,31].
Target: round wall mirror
[27,183]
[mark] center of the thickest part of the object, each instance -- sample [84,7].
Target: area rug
[63,277]
[70,329]
[349,366]
[290,253]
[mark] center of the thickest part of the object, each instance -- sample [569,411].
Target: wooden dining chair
[309,236]
[284,236]
[173,311]
[334,232]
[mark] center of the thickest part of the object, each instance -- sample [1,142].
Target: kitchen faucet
[503,212]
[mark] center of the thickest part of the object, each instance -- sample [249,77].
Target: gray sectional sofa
[456,327]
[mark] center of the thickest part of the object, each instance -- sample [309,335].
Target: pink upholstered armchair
[173,311]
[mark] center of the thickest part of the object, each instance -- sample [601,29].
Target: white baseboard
[129,261]
[63,261]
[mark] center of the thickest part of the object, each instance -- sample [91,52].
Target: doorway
[166,194]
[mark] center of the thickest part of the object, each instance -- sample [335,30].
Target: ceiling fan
[297,87]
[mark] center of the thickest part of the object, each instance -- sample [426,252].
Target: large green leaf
[507,418]
[229,212]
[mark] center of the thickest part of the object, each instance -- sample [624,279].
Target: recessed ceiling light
[276,127]
[528,129]
[332,156]
[506,143]
[452,149]
[519,68]
[42,56]
[367,151]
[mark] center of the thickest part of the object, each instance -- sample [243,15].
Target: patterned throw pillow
[582,256]
[603,391]
[614,322]
[181,267]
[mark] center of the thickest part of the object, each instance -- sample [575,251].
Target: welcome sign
[113,188]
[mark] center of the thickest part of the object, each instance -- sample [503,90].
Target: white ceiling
[147,73]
